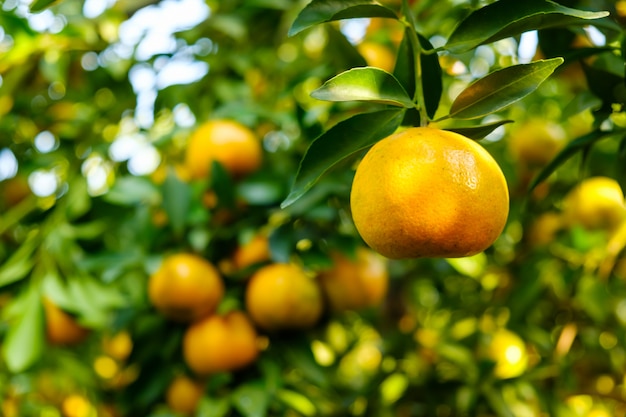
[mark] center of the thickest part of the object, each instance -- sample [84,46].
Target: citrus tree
[326,208]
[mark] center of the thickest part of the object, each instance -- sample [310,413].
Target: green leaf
[223,186]
[296,401]
[432,83]
[21,262]
[506,18]
[606,85]
[213,407]
[393,387]
[78,202]
[431,78]
[501,88]
[321,11]
[479,132]
[40,5]
[176,201]
[592,295]
[251,400]
[342,140]
[364,84]
[340,51]
[404,70]
[582,101]
[25,342]
[129,191]
[566,153]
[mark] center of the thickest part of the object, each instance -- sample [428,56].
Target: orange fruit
[220,343]
[425,192]
[545,228]
[76,405]
[61,327]
[254,251]
[596,202]
[118,345]
[228,142]
[185,287]
[377,55]
[281,296]
[536,142]
[183,395]
[352,284]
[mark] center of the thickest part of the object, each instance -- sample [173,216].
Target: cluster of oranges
[596,203]
[277,296]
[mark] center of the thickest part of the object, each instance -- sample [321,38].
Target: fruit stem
[418,96]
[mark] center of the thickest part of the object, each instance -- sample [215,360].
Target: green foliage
[292,73]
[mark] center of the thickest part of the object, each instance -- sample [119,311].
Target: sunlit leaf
[129,191]
[506,18]
[364,84]
[393,387]
[501,88]
[213,407]
[297,402]
[24,343]
[320,11]
[479,132]
[20,263]
[339,142]
[40,5]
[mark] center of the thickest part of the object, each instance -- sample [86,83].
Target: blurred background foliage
[97,101]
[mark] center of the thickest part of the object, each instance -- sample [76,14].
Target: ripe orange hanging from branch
[281,296]
[61,327]
[228,142]
[220,343]
[426,192]
[353,284]
[185,287]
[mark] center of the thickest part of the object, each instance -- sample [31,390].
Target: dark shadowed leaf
[506,18]
[223,186]
[176,201]
[570,150]
[501,88]
[339,142]
[364,84]
[404,70]
[479,132]
[606,85]
[431,77]
[345,55]
[320,11]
